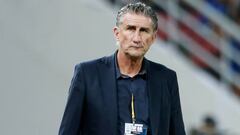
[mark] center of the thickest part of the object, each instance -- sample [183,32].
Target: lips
[137,46]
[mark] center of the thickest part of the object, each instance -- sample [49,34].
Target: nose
[136,37]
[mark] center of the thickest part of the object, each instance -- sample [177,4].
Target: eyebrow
[130,26]
[133,26]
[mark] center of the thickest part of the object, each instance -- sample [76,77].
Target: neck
[128,65]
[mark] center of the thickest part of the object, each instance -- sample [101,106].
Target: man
[125,94]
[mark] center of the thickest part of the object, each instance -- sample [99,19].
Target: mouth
[136,46]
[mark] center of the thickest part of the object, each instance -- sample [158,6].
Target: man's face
[135,35]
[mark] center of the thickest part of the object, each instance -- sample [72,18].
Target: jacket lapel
[155,89]
[109,92]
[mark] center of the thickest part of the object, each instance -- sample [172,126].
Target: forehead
[136,20]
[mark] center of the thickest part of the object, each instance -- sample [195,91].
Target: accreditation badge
[135,129]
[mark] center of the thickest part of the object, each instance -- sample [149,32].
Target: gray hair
[138,8]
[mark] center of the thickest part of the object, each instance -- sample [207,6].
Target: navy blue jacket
[92,103]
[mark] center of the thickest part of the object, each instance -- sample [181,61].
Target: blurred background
[42,40]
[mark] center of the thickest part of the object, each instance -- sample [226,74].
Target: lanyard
[133,112]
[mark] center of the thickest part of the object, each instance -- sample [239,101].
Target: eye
[131,28]
[144,30]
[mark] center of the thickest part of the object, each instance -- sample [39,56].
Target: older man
[125,94]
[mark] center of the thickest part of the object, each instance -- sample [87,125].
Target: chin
[136,55]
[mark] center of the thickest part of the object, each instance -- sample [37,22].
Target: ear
[116,33]
[154,36]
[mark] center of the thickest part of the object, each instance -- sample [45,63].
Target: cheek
[148,41]
[125,38]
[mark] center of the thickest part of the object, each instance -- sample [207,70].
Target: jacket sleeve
[73,114]
[176,120]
